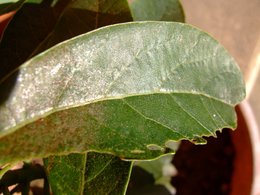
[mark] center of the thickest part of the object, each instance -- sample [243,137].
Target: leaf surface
[166,10]
[46,23]
[130,90]
[106,174]
[82,16]
[91,173]
[66,173]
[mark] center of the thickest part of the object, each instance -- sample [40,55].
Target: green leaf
[166,10]
[27,29]
[66,173]
[130,90]
[91,173]
[82,16]
[46,23]
[106,174]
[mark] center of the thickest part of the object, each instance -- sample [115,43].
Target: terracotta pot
[246,139]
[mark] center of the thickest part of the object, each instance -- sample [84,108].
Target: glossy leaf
[129,89]
[29,27]
[46,23]
[82,16]
[166,10]
[91,173]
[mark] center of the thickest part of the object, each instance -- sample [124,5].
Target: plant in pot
[93,104]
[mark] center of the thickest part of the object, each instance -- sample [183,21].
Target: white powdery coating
[114,65]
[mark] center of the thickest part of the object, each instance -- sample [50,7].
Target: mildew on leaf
[120,89]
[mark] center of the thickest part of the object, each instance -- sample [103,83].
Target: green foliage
[90,173]
[125,91]
[113,99]
[169,10]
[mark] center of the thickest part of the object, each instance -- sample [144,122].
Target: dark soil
[205,169]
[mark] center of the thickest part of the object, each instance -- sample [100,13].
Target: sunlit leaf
[130,89]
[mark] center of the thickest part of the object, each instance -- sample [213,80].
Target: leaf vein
[191,116]
[100,171]
[150,119]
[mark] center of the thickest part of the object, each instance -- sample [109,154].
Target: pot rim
[254,133]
